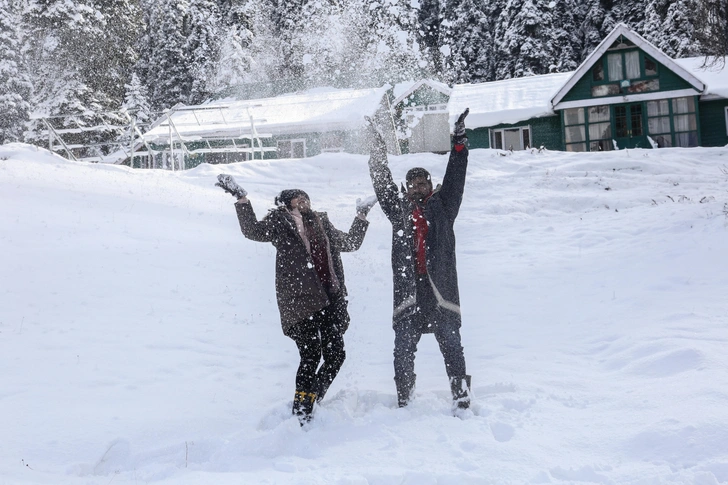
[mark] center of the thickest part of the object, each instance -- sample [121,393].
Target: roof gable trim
[640,42]
[439,87]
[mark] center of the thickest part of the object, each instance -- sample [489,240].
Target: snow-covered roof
[507,101]
[715,78]
[316,110]
[642,43]
[436,85]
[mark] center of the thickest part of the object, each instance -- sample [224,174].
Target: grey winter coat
[299,291]
[441,209]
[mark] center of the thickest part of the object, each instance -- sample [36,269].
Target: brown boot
[303,406]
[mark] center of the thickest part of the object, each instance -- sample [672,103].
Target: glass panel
[614,67]
[299,149]
[659,125]
[284,149]
[512,139]
[498,140]
[574,116]
[598,113]
[689,139]
[601,146]
[644,86]
[685,123]
[658,108]
[600,131]
[620,121]
[605,90]
[576,147]
[650,67]
[636,110]
[663,141]
[632,64]
[683,105]
[575,133]
[598,72]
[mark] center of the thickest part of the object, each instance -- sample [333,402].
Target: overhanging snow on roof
[313,111]
[505,102]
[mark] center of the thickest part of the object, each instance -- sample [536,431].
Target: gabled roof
[312,111]
[639,41]
[507,101]
[435,85]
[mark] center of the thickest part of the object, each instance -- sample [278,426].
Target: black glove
[228,184]
[376,140]
[364,206]
[458,134]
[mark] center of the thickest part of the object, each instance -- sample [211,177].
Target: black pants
[407,334]
[322,335]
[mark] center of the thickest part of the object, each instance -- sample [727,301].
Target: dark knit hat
[286,196]
[413,173]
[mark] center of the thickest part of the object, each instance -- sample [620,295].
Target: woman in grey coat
[310,286]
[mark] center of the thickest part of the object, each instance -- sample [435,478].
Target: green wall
[669,81]
[545,132]
[713,123]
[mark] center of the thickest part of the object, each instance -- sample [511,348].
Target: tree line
[89,57]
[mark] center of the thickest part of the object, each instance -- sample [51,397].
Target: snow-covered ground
[140,340]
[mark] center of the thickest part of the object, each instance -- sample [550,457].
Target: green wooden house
[626,94]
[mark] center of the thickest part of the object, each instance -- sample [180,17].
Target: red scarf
[420,233]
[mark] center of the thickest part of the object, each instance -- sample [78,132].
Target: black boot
[460,387]
[303,406]
[404,390]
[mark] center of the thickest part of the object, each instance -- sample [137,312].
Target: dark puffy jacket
[441,209]
[299,291]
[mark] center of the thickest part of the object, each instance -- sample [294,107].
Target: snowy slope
[140,339]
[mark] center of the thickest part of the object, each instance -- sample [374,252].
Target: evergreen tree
[681,41]
[523,45]
[591,15]
[163,67]
[712,31]
[15,86]
[202,49]
[136,102]
[468,42]
[428,34]
[236,62]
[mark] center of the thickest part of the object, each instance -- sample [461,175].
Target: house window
[673,122]
[511,138]
[588,129]
[292,148]
[575,130]
[600,129]
[685,120]
[650,67]
[332,142]
[658,122]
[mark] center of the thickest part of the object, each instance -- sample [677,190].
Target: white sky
[140,338]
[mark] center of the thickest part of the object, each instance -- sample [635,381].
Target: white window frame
[428,108]
[292,141]
[502,131]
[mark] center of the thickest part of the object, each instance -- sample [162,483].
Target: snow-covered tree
[236,62]
[523,43]
[202,49]
[467,41]
[15,85]
[712,31]
[136,101]
[679,23]
[163,67]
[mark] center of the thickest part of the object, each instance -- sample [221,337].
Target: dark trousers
[322,335]
[407,334]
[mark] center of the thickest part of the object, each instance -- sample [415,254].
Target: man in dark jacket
[310,285]
[426,297]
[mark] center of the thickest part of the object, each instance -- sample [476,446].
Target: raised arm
[453,183]
[252,229]
[384,186]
